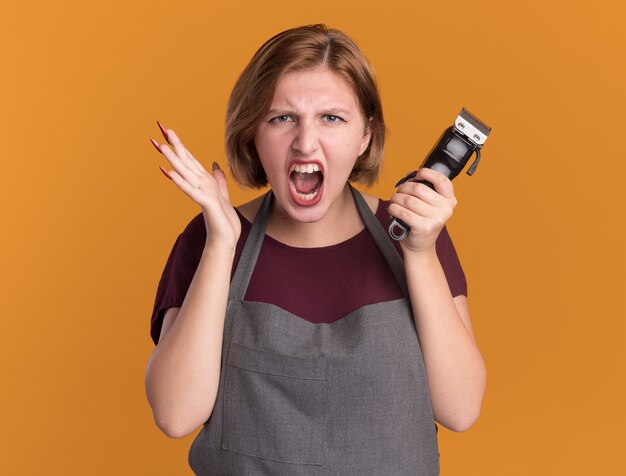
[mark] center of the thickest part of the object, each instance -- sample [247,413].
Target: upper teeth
[306,168]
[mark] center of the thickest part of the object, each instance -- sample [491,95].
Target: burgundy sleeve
[445,252]
[451,264]
[179,271]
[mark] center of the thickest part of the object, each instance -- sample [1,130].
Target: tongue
[306,183]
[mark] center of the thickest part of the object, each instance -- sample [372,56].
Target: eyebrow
[330,110]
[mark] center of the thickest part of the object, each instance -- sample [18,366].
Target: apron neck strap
[389,252]
[251,250]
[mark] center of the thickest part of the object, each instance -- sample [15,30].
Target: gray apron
[298,398]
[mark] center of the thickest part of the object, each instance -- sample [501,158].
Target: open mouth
[306,181]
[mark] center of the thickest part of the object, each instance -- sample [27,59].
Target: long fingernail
[216,166]
[163,131]
[155,144]
[165,173]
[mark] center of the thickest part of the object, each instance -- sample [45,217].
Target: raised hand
[209,191]
[424,210]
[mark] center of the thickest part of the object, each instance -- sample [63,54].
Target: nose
[306,141]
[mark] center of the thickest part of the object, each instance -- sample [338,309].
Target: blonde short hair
[299,49]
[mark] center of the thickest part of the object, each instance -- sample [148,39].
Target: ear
[367,136]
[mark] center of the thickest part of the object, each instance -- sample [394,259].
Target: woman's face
[309,141]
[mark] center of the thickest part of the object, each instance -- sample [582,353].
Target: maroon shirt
[321,285]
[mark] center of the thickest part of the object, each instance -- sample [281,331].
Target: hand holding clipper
[449,156]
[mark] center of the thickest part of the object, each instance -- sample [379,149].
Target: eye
[280,119]
[332,119]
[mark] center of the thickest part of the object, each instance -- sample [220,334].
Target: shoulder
[373,202]
[193,236]
[195,226]
[249,210]
[379,207]
[195,231]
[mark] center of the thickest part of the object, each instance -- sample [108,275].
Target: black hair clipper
[454,149]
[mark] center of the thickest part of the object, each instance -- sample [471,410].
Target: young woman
[292,327]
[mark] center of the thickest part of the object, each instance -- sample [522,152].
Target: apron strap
[251,250]
[389,252]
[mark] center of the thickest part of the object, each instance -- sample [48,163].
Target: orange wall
[88,219]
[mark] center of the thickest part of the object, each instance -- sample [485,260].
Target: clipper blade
[472,127]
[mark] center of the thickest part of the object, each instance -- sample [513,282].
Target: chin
[295,211]
[310,214]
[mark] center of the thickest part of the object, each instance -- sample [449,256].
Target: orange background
[88,219]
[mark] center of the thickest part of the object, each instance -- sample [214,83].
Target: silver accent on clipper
[472,127]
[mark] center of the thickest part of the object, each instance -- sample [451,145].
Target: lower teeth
[308,196]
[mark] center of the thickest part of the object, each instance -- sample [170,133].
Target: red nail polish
[163,131]
[155,144]
[165,173]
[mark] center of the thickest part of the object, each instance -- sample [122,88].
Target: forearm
[454,365]
[183,373]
